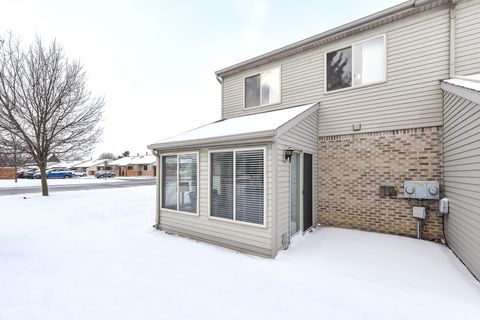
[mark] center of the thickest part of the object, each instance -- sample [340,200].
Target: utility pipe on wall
[452,56]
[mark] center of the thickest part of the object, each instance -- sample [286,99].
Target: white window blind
[249,202]
[369,61]
[237,185]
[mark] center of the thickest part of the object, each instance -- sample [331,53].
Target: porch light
[288,153]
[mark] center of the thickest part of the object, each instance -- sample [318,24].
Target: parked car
[79,173]
[55,174]
[104,174]
[29,174]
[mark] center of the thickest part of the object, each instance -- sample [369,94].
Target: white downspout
[157,191]
[453,14]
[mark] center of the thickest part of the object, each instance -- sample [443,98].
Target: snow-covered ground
[10,183]
[94,255]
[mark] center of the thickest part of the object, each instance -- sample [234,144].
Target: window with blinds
[180,182]
[237,189]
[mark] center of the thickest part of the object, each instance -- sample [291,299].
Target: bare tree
[106,155]
[45,103]
[12,151]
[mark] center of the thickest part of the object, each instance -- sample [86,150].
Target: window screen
[252,91]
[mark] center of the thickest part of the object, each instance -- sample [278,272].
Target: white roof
[260,125]
[91,163]
[144,160]
[471,82]
[121,162]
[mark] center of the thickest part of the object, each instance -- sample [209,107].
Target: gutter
[310,42]
[452,29]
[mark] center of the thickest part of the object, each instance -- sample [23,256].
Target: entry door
[307,191]
[295,194]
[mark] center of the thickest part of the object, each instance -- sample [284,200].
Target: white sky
[154,61]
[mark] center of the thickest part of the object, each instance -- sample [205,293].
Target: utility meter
[421,189]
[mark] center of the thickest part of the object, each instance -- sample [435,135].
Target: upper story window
[263,88]
[360,64]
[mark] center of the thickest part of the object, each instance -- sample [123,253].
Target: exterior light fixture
[288,154]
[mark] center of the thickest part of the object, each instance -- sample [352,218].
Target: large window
[263,88]
[360,64]
[179,182]
[237,188]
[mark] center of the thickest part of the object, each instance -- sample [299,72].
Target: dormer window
[359,64]
[263,88]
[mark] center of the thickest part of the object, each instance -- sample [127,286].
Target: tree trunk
[15,161]
[43,174]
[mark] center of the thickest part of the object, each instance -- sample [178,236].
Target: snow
[260,122]
[91,163]
[147,159]
[94,255]
[10,183]
[470,82]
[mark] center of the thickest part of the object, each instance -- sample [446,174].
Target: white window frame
[178,182]
[325,90]
[265,193]
[279,67]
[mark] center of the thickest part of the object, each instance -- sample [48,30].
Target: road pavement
[125,183]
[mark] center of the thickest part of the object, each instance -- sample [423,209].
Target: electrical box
[421,190]
[387,191]
[419,212]
[443,206]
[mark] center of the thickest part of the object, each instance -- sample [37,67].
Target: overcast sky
[154,61]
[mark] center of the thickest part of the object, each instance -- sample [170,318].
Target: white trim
[265,193]
[352,86]
[460,91]
[177,154]
[260,73]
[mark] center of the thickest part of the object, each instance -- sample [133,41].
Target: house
[317,131]
[92,166]
[135,166]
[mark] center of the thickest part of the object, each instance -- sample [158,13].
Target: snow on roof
[148,159]
[122,161]
[471,82]
[91,163]
[262,124]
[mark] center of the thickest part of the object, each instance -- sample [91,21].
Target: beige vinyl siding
[242,237]
[462,178]
[467,37]
[302,136]
[417,58]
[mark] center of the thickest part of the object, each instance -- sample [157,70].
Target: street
[125,183]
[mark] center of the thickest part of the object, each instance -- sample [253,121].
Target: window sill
[353,88]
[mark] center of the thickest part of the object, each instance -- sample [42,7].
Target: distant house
[326,131]
[90,167]
[135,166]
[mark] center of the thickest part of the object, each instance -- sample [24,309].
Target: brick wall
[352,168]
[7,173]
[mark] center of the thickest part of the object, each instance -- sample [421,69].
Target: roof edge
[305,43]
[460,91]
[267,134]
[281,130]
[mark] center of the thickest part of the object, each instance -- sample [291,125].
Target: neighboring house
[359,107]
[143,166]
[7,173]
[90,167]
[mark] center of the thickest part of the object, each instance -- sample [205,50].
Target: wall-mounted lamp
[288,154]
